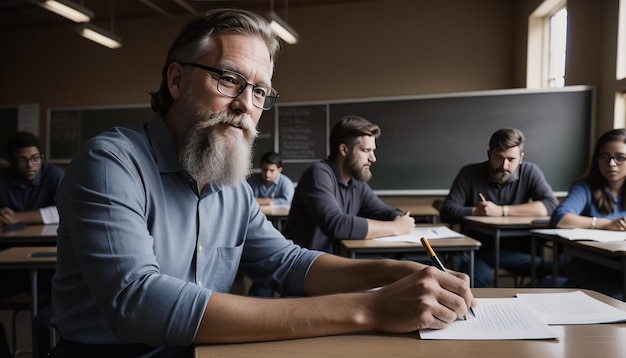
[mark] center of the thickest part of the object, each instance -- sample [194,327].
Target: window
[547,38]
[621,41]
[620,70]
[557,24]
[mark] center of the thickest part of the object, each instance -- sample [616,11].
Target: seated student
[28,186]
[508,186]
[597,201]
[333,200]
[271,186]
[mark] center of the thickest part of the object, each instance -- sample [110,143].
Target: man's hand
[8,216]
[429,298]
[487,208]
[404,224]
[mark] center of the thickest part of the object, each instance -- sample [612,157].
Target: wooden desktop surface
[504,222]
[28,234]
[415,210]
[275,211]
[375,245]
[594,340]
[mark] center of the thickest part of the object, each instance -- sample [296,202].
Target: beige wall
[372,49]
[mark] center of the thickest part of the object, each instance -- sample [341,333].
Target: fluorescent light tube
[99,35]
[283,30]
[68,9]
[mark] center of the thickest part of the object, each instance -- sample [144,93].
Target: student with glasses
[597,201]
[28,186]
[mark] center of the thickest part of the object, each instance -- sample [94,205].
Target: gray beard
[210,155]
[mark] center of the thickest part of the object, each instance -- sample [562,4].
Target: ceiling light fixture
[280,27]
[98,35]
[68,9]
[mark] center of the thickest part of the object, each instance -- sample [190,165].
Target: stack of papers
[527,317]
[430,232]
[586,234]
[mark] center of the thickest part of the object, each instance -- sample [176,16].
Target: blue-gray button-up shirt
[140,251]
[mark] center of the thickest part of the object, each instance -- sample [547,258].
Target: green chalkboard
[69,128]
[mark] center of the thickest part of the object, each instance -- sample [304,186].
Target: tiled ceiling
[16,14]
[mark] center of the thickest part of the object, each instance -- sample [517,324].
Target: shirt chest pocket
[220,271]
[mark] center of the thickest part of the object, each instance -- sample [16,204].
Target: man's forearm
[350,275]
[230,318]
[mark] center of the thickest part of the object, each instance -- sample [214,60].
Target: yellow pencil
[437,262]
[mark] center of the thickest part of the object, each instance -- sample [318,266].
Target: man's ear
[175,79]
[343,149]
[521,156]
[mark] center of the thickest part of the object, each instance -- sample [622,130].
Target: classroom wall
[377,48]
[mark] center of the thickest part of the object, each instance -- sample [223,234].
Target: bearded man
[157,220]
[333,201]
[501,186]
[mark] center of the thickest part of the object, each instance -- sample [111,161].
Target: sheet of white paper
[496,319]
[50,230]
[571,308]
[586,234]
[430,232]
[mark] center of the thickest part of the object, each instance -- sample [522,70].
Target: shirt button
[199,247]
[199,283]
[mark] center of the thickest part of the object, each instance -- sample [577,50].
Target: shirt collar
[338,176]
[163,145]
[166,152]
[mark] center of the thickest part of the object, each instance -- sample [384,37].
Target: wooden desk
[350,248]
[609,254]
[21,235]
[21,258]
[422,213]
[25,258]
[277,214]
[575,341]
[499,227]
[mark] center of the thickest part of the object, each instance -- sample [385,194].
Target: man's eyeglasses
[23,161]
[232,84]
[606,158]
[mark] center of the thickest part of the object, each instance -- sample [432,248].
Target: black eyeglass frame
[36,159]
[273,94]
[606,158]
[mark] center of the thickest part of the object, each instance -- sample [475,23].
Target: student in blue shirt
[157,220]
[597,201]
[271,186]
